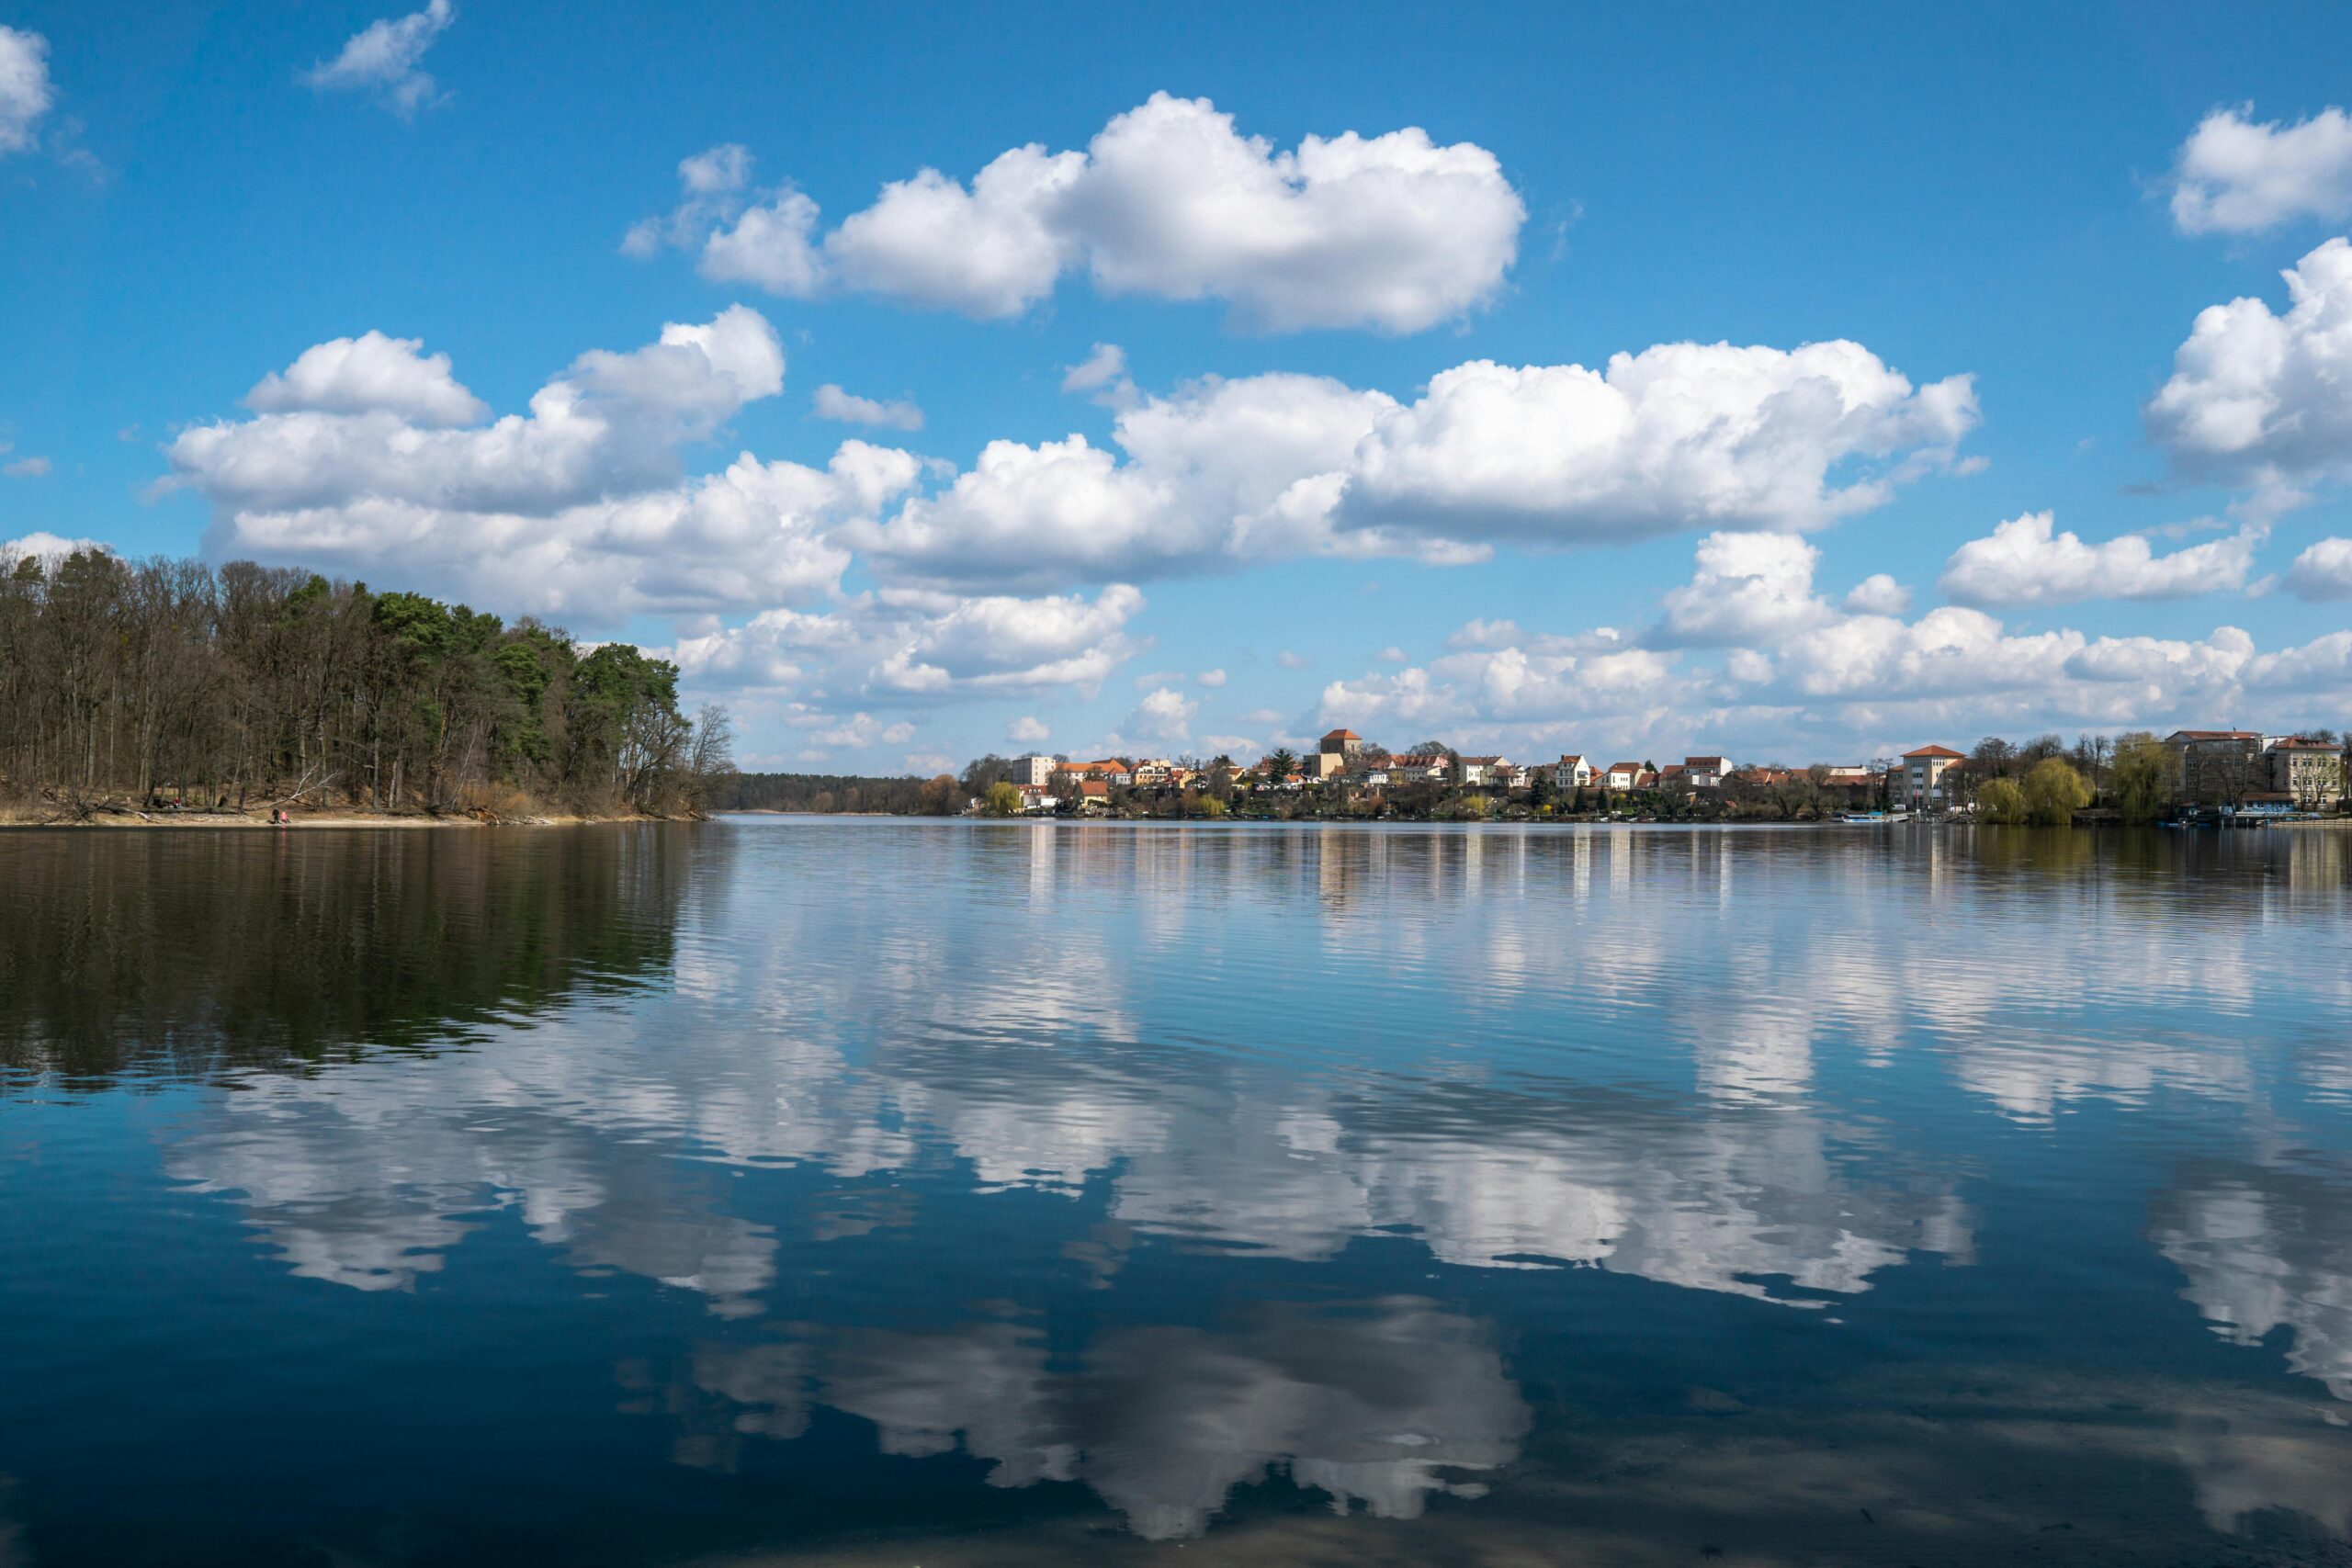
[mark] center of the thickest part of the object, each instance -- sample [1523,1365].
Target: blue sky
[192,198]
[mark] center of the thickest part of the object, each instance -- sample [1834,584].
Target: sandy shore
[260,820]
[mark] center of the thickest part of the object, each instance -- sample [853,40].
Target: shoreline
[1940,824]
[236,820]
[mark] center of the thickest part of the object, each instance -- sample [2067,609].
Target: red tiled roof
[1696,764]
[1935,751]
[1343,735]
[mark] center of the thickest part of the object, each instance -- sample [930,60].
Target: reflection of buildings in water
[1372,1406]
[2319,867]
[1623,845]
[2265,1248]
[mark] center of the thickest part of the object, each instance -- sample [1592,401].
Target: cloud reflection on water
[1688,1059]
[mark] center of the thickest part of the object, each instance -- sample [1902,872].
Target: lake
[910,1192]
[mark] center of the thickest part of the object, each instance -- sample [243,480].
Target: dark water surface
[941,1193]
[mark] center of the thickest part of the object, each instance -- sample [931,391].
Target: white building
[1482,770]
[1571,773]
[1706,773]
[1034,770]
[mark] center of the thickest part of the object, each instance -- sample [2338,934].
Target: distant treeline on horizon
[907,796]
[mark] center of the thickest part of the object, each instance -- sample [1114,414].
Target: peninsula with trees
[174,690]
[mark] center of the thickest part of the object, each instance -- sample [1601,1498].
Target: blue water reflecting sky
[1022,1193]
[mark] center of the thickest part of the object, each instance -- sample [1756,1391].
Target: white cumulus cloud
[2022,561]
[1102,377]
[1105,365]
[1679,435]
[1878,594]
[1683,435]
[2323,571]
[1830,677]
[2263,399]
[898,413]
[368,455]
[1028,730]
[2237,176]
[1747,588]
[910,647]
[1214,474]
[26,94]
[44,546]
[387,58]
[1170,200]
[368,373]
[1164,717]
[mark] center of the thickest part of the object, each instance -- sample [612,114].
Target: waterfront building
[1034,770]
[2309,775]
[2217,767]
[1922,785]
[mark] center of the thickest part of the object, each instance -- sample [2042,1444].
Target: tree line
[937,796]
[175,683]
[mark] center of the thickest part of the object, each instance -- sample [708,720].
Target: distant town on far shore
[2237,777]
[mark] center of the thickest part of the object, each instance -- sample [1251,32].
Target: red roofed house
[2308,773]
[1341,743]
[1621,775]
[1571,773]
[1919,782]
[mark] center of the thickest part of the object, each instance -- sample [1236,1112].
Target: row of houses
[2207,767]
[1343,754]
[1046,781]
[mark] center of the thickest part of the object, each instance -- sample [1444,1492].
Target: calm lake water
[864,1193]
